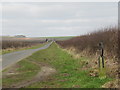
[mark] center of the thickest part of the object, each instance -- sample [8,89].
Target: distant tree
[20,36]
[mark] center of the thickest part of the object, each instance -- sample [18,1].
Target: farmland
[19,42]
[15,44]
[11,44]
[67,63]
[68,73]
[65,44]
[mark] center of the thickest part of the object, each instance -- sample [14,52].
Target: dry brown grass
[87,45]
[13,43]
[109,37]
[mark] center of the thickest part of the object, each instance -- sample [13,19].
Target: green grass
[13,50]
[58,37]
[69,73]
[26,71]
[102,71]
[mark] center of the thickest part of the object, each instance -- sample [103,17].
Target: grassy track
[69,73]
[23,70]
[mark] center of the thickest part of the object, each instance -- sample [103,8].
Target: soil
[45,71]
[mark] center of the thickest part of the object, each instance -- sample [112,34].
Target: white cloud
[64,21]
[57,17]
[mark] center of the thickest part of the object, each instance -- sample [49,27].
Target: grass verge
[23,70]
[69,72]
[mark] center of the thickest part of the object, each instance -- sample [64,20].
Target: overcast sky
[57,19]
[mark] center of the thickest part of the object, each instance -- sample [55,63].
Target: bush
[109,37]
[16,43]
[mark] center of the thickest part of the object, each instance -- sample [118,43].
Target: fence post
[101,52]
[102,73]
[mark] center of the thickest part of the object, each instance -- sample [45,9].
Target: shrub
[16,43]
[109,37]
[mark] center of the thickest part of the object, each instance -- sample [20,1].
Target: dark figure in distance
[46,40]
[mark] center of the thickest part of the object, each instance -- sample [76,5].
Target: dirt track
[41,76]
[45,71]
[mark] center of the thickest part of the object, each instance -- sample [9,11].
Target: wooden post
[102,72]
[101,53]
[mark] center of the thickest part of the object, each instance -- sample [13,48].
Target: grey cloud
[34,19]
